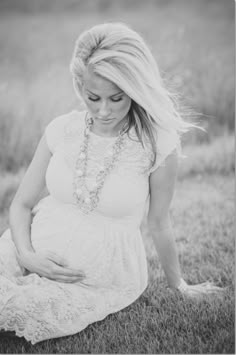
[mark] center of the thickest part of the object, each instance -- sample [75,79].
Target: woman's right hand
[199,290]
[50,265]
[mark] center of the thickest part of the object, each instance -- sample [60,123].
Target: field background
[193,42]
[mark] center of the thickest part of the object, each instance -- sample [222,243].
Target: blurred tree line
[35,6]
[31,6]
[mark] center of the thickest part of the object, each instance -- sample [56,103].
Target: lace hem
[57,311]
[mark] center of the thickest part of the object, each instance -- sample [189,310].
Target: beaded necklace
[87,200]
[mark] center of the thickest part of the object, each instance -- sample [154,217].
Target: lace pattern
[38,308]
[50,309]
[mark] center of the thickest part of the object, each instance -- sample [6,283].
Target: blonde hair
[118,53]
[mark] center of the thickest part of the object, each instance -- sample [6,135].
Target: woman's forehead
[99,85]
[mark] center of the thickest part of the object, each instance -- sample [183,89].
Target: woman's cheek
[125,106]
[91,105]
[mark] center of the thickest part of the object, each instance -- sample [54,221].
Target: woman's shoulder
[71,118]
[65,126]
[167,142]
[75,123]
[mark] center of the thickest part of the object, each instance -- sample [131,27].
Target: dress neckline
[102,137]
[96,135]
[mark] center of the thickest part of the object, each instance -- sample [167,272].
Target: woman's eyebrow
[92,93]
[118,93]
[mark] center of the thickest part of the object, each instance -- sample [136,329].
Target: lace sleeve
[167,143]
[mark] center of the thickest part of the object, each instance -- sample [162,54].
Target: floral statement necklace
[86,199]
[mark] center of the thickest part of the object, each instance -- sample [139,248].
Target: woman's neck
[108,130]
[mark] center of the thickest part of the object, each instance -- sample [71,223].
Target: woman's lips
[105,120]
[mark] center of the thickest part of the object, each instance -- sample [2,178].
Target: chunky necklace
[86,199]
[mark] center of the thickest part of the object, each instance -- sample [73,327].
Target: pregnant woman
[77,255]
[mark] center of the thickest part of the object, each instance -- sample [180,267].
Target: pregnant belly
[107,252]
[84,246]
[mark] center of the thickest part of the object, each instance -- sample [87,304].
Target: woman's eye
[117,100]
[93,99]
[97,99]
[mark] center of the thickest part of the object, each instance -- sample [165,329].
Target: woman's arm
[162,184]
[27,195]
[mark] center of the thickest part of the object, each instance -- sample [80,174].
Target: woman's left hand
[198,290]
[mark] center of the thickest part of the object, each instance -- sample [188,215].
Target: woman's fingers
[60,270]
[50,265]
[67,279]
[203,289]
[65,274]
[56,258]
[68,272]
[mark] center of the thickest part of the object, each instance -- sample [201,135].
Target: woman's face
[106,102]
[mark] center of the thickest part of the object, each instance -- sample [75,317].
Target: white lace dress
[106,243]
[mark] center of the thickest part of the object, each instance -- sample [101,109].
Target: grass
[162,321]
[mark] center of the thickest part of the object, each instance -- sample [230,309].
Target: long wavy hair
[118,53]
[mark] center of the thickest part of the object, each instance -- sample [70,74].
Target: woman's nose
[104,109]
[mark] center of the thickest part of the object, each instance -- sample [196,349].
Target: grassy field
[193,42]
[161,321]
